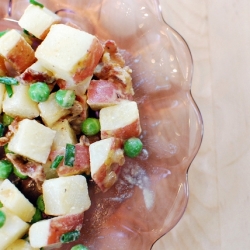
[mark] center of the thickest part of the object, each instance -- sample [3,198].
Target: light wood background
[218,212]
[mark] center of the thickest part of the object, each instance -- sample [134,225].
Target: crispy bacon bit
[33,169]
[12,129]
[30,76]
[78,113]
[14,125]
[4,140]
[3,69]
[112,67]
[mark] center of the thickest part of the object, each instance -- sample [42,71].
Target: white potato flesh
[48,232]
[64,134]
[8,41]
[39,233]
[121,121]
[118,116]
[21,244]
[32,140]
[16,50]
[66,195]
[13,229]
[81,88]
[51,112]
[20,104]
[15,201]
[57,54]
[37,20]
[99,152]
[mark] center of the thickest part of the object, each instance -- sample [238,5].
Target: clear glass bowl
[152,192]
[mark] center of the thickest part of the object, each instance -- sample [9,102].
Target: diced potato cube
[121,120]
[64,134]
[71,54]
[48,232]
[12,229]
[15,49]
[106,158]
[20,104]
[66,195]
[51,112]
[15,201]
[32,140]
[37,20]
[21,244]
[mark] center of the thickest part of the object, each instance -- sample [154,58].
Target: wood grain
[218,34]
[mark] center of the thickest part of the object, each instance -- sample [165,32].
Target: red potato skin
[21,56]
[63,224]
[82,160]
[110,165]
[89,62]
[104,93]
[81,164]
[131,130]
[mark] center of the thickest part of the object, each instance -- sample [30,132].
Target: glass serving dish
[151,194]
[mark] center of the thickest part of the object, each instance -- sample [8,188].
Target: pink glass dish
[151,194]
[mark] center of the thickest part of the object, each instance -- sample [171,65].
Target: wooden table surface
[218,212]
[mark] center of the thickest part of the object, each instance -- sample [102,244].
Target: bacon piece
[31,76]
[112,67]
[33,169]
[78,113]
[104,93]
[12,129]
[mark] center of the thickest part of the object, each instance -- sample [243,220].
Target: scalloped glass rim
[151,194]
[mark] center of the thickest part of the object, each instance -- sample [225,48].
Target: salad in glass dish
[68,115]
[149,192]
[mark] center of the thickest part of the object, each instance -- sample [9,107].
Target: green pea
[70,236]
[2,218]
[1,204]
[37,216]
[133,147]
[7,120]
[40,203]
[65,98]
[90,126]
[39,92]
[18,173]
[79,247]
[6,168]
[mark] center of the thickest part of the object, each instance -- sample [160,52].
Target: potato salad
[67,117]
